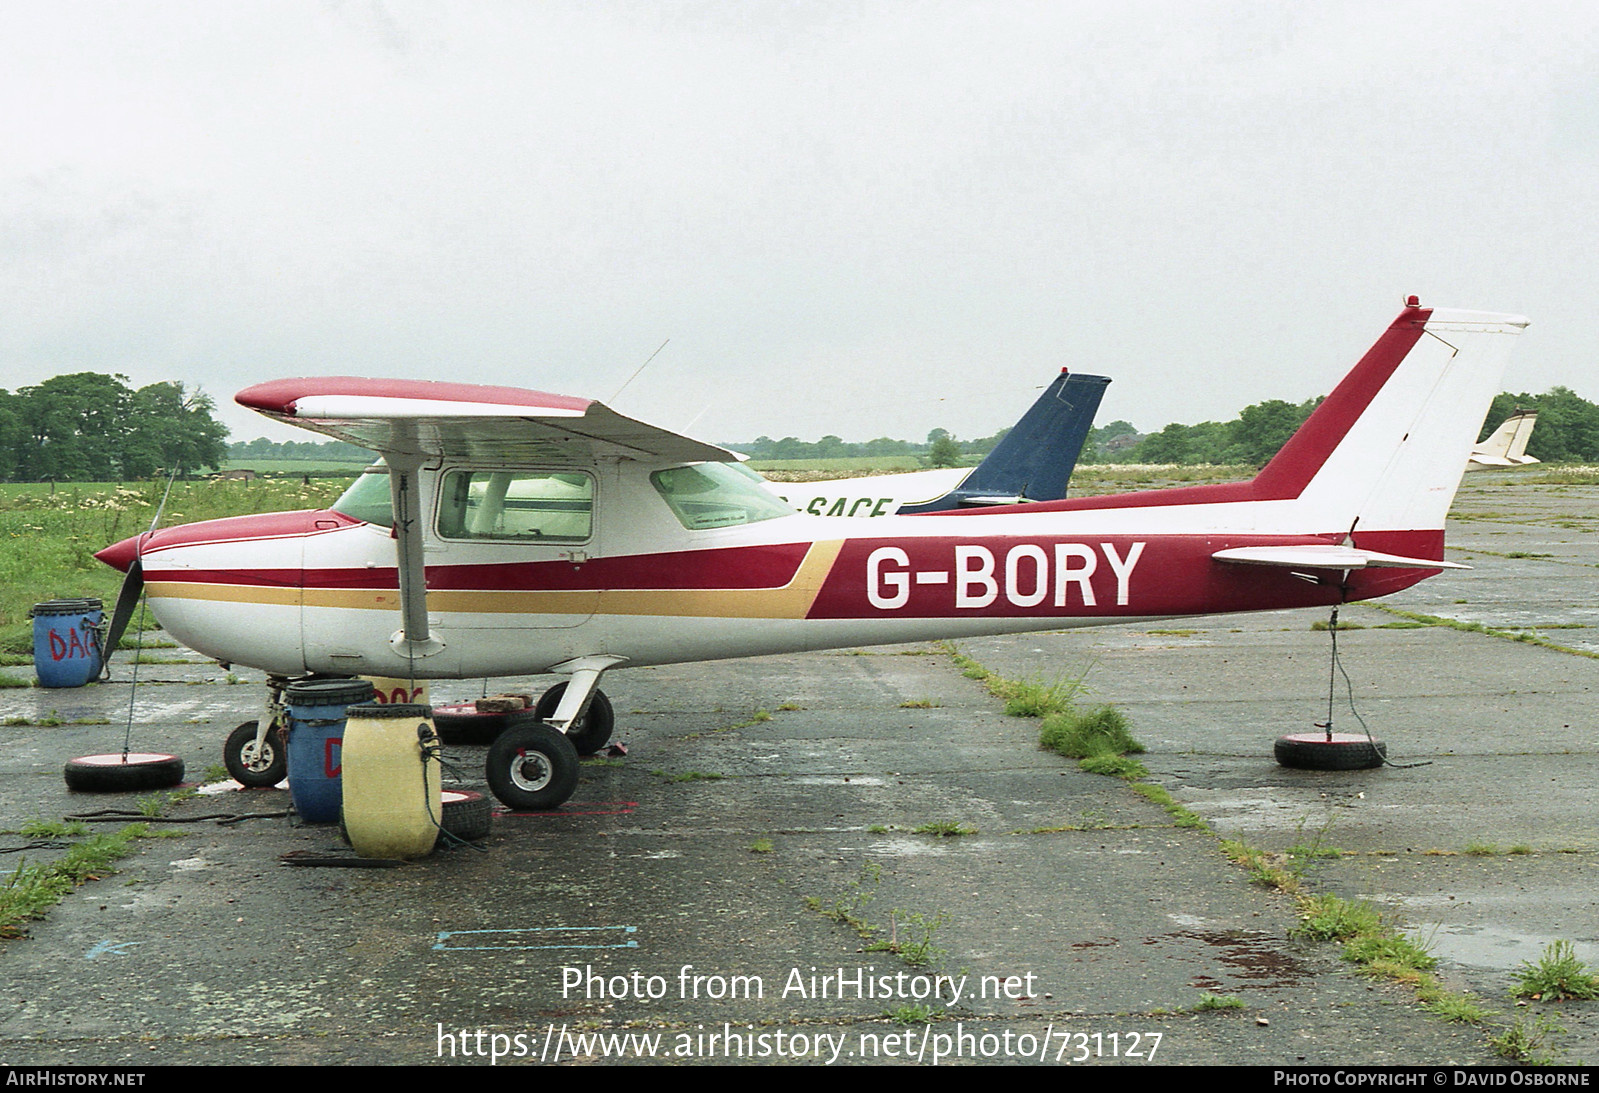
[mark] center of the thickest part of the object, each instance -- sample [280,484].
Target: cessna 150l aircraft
[517,532]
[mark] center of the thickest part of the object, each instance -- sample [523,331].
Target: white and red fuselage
[1374,470]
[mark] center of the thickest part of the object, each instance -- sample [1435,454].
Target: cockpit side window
[518,506]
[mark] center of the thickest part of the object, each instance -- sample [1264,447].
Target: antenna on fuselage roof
[636,371]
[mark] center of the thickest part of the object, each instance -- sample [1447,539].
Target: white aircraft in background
[515,532]
[1506,449]
[1032,462]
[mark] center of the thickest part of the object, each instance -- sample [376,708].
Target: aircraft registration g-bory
[515,532]
[1032,462]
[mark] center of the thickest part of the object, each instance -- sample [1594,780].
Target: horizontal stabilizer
[1327,557]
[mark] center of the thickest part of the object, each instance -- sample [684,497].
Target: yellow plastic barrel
[391,793]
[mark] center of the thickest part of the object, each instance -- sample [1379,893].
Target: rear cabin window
[520,506]
[716,495]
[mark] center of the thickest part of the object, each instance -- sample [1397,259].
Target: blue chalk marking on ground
[116,948]
[586,932]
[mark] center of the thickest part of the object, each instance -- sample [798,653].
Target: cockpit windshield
[716,495]
[367,498]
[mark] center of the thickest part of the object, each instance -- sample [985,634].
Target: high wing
[412,422]
[422,418]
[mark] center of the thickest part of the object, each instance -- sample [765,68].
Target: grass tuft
[1102,730]
[1557,976]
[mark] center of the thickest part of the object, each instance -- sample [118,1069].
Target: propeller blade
[127,600]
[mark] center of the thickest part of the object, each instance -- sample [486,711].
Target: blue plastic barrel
[316,743]
[66,644]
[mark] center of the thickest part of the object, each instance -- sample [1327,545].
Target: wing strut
[413,639]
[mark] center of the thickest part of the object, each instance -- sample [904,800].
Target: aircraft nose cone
[120,555]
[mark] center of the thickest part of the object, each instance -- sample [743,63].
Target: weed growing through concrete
[53,829]
[33,889]
[944,829]
[154,804]
[1103,730]
[1209,1003]
[1527,637]
[848,909]
[1451,1007]
[921,704]
[761,846]
[1527,1042]
[912,1013]
[1557,976]
[916,947]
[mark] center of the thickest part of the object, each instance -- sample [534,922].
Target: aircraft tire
[531,767]
[252,767]
[591,731]
[463,724]
[110,774]
[1345,751]
[466,815]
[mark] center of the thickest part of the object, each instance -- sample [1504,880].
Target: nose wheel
[255,762]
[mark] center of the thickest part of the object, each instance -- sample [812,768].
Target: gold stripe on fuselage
[791,601]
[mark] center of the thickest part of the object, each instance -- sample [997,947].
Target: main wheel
[121,774]
[252,765]
[592,729]
[532,768]
[1345,751]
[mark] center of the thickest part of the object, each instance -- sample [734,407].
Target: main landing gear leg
[535,767]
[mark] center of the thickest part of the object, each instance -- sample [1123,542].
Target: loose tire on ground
[461,723]
[592,730]
[466,815]
[1345,751]
[531,767]
[111,774]
[251,766]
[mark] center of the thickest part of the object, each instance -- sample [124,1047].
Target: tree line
[1567,432]
[93,427]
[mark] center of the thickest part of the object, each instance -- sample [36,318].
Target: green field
[815,470]
[50,533]
[275,467]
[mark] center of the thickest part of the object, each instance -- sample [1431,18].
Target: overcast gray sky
[865,219]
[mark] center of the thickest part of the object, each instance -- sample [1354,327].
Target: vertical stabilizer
[1402,423]
[1035,460]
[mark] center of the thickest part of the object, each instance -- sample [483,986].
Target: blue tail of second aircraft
[1036,458]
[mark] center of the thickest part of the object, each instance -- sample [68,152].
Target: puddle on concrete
[1490,947]
[840,779]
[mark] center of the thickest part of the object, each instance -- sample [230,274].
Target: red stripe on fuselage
[732,568]
[1296,463]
